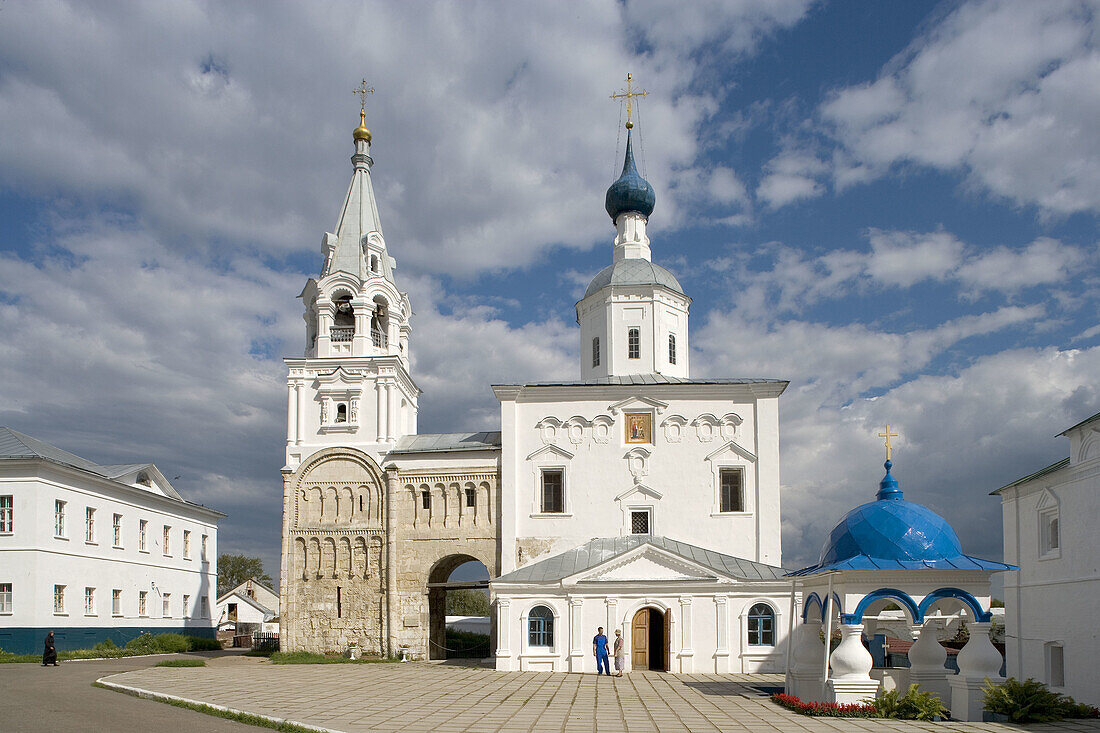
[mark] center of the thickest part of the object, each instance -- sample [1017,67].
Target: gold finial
[628,94]
[361,132]
[888,435]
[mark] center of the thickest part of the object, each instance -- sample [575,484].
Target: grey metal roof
[1086,421]
[647,379]
[447,442]
[1041,472]
[633,272]
[121,469]
[14,444]
[600,550]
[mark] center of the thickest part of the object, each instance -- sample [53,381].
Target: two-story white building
[95,552]
[1051,634]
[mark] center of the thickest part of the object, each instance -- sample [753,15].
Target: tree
[235,569]
[467,602]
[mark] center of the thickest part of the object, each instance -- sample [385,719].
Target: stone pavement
[423,697]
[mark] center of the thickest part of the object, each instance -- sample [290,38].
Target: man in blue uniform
[599,648]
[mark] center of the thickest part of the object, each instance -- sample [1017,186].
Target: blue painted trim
[814,598]
[29,639]
[959,594]
[900,596]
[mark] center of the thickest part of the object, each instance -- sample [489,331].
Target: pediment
[733,447]
[550,450]
[638,402]
[338,379]
[1047,500]
[639,489]
[646,564]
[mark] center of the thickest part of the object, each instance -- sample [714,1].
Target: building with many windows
[1051,634]
[95,552]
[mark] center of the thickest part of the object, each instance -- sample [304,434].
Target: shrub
[913,705]
[825,709]
[1031,702]
[105,646]
[203,644]
[182,663]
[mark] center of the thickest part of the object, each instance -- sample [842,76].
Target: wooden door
[668,640]
[639,638]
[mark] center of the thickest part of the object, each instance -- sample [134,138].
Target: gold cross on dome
[628,94]
[363,91]
[888,435]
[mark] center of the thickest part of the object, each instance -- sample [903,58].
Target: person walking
[620,653]
[599,649]
[49,653]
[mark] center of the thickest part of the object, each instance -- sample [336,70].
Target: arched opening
[459,624]
[380,323]
[343,323]
[649,639]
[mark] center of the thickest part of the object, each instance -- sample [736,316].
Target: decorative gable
[735,449]
[638,403]
[645,564]
[549,451]
[639,489]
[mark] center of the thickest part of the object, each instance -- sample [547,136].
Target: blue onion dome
[630,192]
[633,272]
[892,530]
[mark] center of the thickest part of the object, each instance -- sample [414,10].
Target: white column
[291,414]
[576,636]
[300,414]
[391,413]
[850,666]
[977,660]
[926,659]
[687,649]
[806,663]
[504,623]
[380,433]
[722,653]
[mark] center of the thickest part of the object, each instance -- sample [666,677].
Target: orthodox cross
[628,94]
[363,91]
[888,435]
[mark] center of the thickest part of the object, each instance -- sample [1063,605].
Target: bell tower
[352,387]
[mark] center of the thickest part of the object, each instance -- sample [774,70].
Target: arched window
[379,324]
[596,351]
[540,627]
[343,325]
[374,263]
[341,412]
[761,625]
[672,348]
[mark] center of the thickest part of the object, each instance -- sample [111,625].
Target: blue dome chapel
[630,192]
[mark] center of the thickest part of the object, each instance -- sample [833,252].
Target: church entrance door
[649,640]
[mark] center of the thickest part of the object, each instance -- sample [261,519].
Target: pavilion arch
[815,600]
[311,477]
[966,598]
[916,616]
[439,574]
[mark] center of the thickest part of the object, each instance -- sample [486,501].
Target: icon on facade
[639,428]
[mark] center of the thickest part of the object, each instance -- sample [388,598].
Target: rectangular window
[59,518]
[426,499]
[231,611]
[89,524]
[143,535]
[59,599]
[732,496]
[634,343]
[116,526]
[5,597]
[1050,540]
[7,513]
[143,603]
[596,351]
[186,544]
[116,602]
[639,522]
[167,537]
[203,548]
[1056,664]
[166,606]
[186,606]
[672,348]
[471,497]
[89,601]
[205,602]
[553,491]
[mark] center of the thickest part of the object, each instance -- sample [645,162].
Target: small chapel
[633,497]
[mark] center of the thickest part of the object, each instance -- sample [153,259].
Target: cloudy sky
[892,205]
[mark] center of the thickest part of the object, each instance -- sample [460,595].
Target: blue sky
[892,205]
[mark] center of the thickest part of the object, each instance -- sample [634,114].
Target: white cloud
[906,258]
[791,175]
[1045,261]
[1007,91]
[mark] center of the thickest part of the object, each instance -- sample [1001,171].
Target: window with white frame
[1056,665]
[672,348]
[640,521]
[143,535]
[540,627]
[553,491]
[89,601]
[116,528]
[167,540]
[166,606]
[89,524]
[761,625]
[59,518]
[596,351]
[186,606]
[59,599]
[186,544]
[204,603]
[5,597]
[7,513]
[1050,532]
[634,343]
[731,493]
[116,602]
[143,603]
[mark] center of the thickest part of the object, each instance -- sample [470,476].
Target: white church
[634,497]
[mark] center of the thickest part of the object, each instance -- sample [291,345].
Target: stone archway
[438,581]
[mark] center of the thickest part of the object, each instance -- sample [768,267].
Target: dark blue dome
[630,192]
[891,529]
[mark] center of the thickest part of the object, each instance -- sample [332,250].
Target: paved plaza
[438,698]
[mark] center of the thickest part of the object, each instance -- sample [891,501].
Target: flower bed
[825,709]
